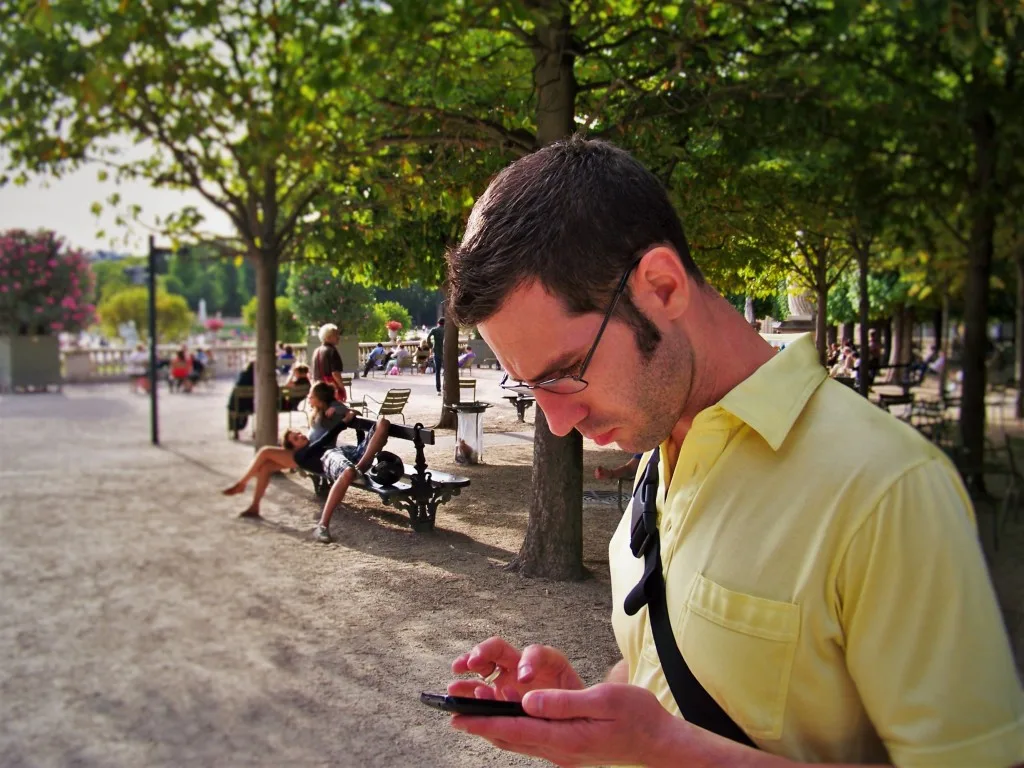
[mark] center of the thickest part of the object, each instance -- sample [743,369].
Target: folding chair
[392,405]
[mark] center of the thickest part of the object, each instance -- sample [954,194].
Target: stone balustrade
[111,363]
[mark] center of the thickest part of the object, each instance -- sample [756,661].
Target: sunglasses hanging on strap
[695,704]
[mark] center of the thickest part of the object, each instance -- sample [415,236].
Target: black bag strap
[695,704]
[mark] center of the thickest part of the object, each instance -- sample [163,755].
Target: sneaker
[438,394]
[322,535]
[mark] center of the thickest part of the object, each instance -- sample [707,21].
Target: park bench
[907,376]
[419,493]
[521,402]
[289,400]
[490,362]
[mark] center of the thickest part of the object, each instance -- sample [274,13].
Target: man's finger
[602,702]
[537,658]
[491,653]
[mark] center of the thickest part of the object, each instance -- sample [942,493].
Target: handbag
[695,704]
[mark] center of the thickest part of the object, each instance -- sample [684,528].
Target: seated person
[181,367]
[375,359]
[400,359]
[298,376]
[324,410]
[467,357]
[197,368]
[846,366]
[832,357]
[242,407]
[269,460]
[285,358]
[422,356]
[298,380]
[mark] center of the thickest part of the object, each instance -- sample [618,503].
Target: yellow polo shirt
[825,581]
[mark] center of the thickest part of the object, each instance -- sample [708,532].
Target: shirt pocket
[741,648]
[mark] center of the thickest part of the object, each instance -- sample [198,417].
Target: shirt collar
[772,398]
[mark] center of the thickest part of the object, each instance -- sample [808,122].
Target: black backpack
[387,469]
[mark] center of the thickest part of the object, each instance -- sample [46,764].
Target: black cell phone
[462,705]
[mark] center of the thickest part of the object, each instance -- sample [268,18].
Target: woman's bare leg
[262,481]
[278,458]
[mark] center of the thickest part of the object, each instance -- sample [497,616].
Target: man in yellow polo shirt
[823,579]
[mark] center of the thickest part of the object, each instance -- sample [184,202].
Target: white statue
[128,333]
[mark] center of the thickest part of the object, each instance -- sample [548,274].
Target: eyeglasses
[571,385]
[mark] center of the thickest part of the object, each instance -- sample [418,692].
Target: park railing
[111,363]
[101,364]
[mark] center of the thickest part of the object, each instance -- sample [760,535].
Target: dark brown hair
[574,216]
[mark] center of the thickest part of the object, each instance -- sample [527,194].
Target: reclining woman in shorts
[329,419]
[298,451]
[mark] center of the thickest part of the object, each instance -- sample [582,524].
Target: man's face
[629,401]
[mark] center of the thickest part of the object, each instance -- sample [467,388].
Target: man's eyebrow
[559,364]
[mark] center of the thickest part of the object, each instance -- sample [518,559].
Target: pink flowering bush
[43,285]
[214,324]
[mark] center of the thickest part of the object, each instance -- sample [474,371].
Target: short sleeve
[925,640]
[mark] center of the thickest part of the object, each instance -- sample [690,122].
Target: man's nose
[563,412]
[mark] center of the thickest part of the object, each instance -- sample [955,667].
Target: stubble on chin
[663,384]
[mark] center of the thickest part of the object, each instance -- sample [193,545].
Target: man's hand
[538,666]
[609,724]
[329,413]
[602,474]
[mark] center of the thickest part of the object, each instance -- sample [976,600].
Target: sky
[63,205]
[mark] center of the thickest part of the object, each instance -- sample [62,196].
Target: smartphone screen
[459,705]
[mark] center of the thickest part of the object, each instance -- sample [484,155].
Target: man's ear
[660,286]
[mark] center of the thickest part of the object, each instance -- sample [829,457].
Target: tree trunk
[450,378]
[937,329]
[864,311]
[984,208]
[886,329]
[848,333]
[944,334]
[553,76]
[902,333]
[449,372]
[553,547]
[821,323]
[1019,339]
[266,338]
